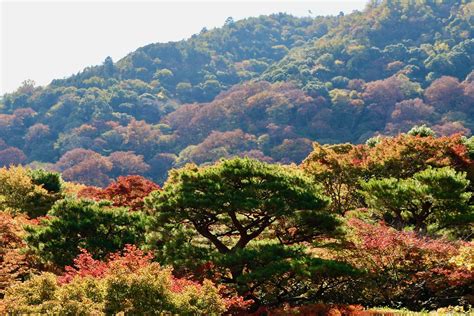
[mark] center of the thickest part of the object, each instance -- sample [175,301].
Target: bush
[14,264]
[127,283]
[404,270]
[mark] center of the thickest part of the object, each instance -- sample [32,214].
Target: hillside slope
[262,87]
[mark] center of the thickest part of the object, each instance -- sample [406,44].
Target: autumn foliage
[14,265]
[131,259]
[318,165]
[127,283]
[127,191]
[410,269]
[339,168]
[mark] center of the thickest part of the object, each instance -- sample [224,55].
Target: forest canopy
[263,87]
[273,166]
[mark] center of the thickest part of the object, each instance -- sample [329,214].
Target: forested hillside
[353,230]
[264,87]
[273,166]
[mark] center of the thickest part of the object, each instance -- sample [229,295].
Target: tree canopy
[272,84]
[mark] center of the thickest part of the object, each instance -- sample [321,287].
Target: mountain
[264,87]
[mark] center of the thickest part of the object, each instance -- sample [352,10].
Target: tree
[448,128]
[127,163]
[11,156]
[14,264]
[338,168]
[242,196]
[127,191]
[432,200]
[444,94]
[404,155]
[408,113]
[218,145]
[85,166]
[402,268]
[39,142]
[21,191]
[236,202]
[159,166]
[292,150]
[411,110]
[421,131]
[51,181]
[108,65]
[74,224]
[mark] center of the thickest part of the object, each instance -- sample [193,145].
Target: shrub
[14,265]
[127,283]
[403,269]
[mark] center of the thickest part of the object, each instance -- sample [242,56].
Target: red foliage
[127,191]
[179,284]
[384,240]
[404,155]
[126,162]
[37,133]
[133,259]
[237,305]
[402,264]
[130,258]
[449,128]
[85,166]
[381,95]
[14,265]
[445,94]
[407,114]
[11,156]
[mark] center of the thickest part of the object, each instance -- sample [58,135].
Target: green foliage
[381,71]
[241,198]
[263,88]
[422,131]
[373,141]
[75,224]
[51,181]
[150,290]
[224,211]
[277,273]
[469,142]
[431,200]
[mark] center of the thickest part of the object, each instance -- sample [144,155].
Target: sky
[45,40]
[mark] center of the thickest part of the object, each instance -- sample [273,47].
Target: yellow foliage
[14,265]
[72,189]
[145,291]
[18,193]
[465,258]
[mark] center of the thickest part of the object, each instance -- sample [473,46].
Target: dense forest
[263,87]
[385,224]
[274,166]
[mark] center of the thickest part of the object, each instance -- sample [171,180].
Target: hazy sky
[47,40]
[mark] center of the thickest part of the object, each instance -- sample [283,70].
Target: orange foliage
[13,264]
[127,191]
[314,309]
[404,155]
